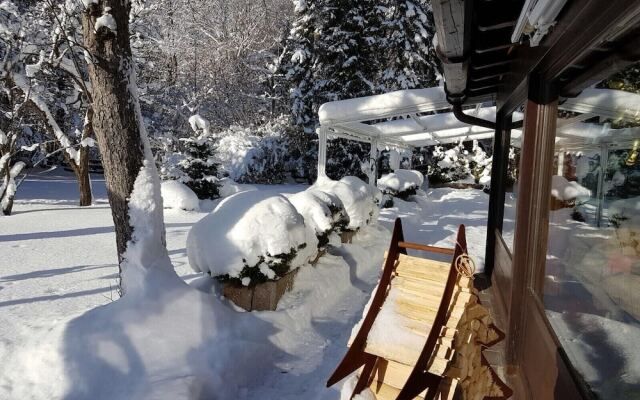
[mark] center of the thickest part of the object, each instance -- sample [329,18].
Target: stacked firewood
[413,300]
[476,378]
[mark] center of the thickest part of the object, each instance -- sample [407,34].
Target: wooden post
[532,211]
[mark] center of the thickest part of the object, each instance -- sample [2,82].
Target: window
[592,276]
[511,184]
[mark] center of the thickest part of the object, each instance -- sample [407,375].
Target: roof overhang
[571,45]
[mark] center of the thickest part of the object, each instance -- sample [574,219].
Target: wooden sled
[436,301]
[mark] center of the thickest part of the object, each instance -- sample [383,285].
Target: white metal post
[561,163]
[604,161]
[322,151]
[394,159]
[373,162]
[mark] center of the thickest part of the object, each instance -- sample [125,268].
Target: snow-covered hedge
[401,183]
[249,238]
[323,212]
[359,199]
[177,195]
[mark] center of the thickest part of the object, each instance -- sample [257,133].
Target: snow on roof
[385,105]
[607,103]
[431,123]
[411,129]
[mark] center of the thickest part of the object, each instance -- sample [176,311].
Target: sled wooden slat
[442,324]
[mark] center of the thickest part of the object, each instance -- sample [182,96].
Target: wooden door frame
[534,354]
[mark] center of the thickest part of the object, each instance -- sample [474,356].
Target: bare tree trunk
[115,121]
[5,198]
[81,170]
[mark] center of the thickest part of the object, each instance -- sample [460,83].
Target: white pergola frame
[406,119]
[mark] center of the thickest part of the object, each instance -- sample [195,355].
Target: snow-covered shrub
[255,154]
[448,164]
[268,162]
[228,187]
[564,190]
[402,183]
[513,168]
[359,199]
[480,164]
[322,211]
[249,238]
[178,195]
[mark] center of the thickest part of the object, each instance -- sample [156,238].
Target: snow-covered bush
[228,187]
[402,183]
[564,190]
[513,168]
[480,164]
[255,154]
[249,238]
[359,199]
[322,211]
[448,164]
[178,195]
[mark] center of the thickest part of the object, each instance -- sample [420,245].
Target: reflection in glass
[592,282]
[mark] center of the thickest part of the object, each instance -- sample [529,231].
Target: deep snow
[59,263]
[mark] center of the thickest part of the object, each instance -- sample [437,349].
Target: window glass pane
[592,282]
[511,187]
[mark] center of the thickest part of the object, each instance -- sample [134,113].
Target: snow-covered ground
[59,261]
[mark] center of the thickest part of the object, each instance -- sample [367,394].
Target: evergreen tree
[199,168]
[406,46]
[341,49]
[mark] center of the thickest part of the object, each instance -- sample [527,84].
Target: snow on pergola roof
[387,105]
[397,118]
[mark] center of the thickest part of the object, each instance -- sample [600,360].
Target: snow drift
[251,237]
[178,195]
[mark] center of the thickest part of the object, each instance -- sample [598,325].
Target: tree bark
[115,115]
[82,169]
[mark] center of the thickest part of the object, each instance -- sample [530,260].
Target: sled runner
[424,330]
